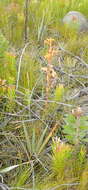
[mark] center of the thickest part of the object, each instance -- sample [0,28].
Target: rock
[76,20]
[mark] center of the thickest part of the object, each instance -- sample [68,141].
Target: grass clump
[43,96]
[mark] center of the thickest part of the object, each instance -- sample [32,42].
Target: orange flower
[49,41]
[48,56]
[54,52]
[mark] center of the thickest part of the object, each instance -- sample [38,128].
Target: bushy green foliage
[26,123]
[68,165]
[61,155]
[75,129]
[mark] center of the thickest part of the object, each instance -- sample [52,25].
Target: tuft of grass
[26,125]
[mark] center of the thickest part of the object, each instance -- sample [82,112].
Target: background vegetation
[43,96]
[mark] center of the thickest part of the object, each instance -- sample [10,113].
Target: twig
[1,178]
[67,184]
[21,188]
[76,57]
[21,121]
[58,103]
[4,187]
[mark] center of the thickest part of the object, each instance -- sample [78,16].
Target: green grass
[27,122]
